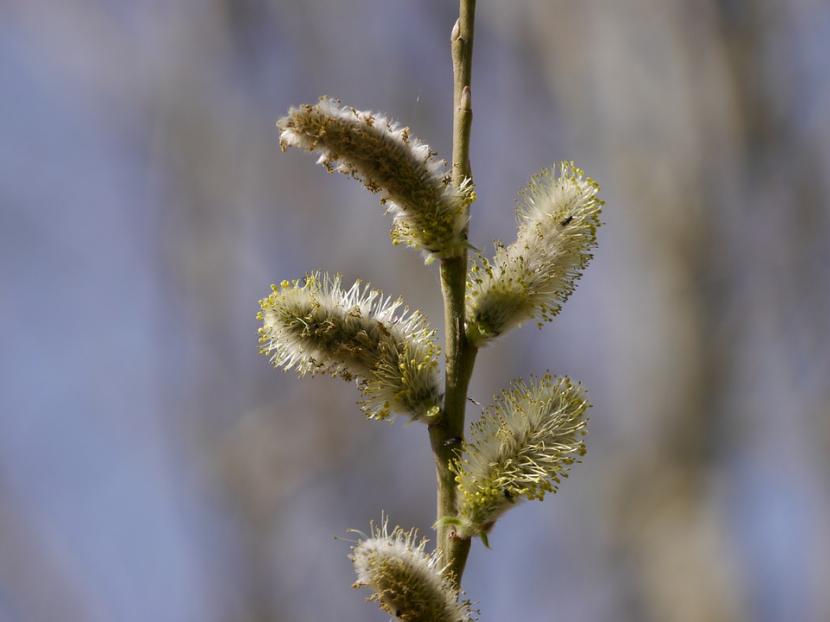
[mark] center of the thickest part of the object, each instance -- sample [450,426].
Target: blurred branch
[32,584]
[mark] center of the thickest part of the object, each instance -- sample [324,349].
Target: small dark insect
[508,495]
[566,221]
[455,440]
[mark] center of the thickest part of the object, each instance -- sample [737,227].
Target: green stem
[446,435]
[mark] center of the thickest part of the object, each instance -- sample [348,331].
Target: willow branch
[447,434]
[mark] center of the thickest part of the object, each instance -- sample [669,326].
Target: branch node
[466,102]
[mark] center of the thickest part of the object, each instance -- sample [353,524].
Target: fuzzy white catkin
[521,448]
[407,582]
[557,221]
[429,213]
[315,326]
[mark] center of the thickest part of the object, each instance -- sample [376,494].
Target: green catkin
[315,326]
[557,218]
[521,448]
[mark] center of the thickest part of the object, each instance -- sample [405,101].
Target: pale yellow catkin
[430,214]
[315,326]
[521,448]
[558,216]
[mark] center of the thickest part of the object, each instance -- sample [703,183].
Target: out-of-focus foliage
[153,468]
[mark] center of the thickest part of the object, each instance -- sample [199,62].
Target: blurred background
[154,467]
